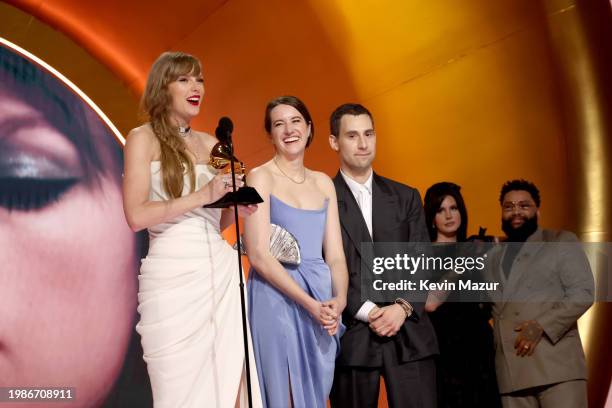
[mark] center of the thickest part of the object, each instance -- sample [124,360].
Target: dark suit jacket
[397,216]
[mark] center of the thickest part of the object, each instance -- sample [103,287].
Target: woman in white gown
[189,298]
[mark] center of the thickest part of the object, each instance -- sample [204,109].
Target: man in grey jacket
[546,285]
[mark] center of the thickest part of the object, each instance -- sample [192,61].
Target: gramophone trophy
[222,158]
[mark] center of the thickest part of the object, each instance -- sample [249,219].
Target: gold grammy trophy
[222,158]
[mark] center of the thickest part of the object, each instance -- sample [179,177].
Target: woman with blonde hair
[189,298]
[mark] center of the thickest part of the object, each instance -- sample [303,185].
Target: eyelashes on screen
[28,194]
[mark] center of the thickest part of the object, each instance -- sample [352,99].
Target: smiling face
[289,131]
[68,258]
[448,218]
[186,94]
[518,207]
[355,143]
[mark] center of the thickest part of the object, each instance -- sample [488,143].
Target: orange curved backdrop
[464,91]
[460,91]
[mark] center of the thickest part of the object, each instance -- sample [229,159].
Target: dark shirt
[511,253]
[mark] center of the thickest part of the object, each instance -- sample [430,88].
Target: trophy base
[243,196]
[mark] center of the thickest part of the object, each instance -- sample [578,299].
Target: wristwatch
[406,306]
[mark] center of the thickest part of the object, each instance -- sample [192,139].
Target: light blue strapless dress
[289,345]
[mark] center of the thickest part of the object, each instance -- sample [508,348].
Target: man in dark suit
[393,340]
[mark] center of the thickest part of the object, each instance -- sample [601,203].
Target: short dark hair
[297,104]
[520,184]
[433,200]
[354,109]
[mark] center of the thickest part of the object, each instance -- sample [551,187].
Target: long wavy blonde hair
[156,102]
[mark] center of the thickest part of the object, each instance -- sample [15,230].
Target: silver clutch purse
[283,246]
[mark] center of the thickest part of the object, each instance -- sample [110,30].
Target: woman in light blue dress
[295,310]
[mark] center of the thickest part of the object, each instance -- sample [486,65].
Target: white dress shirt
[363,196]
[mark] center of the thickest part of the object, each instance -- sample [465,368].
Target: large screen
[68,261]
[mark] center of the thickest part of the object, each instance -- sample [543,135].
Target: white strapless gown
[189,305]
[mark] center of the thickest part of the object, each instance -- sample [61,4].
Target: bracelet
[406,306]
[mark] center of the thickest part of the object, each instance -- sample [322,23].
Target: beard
[520,234]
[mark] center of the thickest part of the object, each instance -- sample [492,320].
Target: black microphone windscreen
[224,129]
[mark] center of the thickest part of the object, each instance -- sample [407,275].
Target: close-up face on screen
[68,262]
[172,234]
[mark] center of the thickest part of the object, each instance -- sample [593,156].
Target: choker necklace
[285,174]
[184,131]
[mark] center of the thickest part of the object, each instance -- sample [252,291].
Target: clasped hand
[328,314]
[386,321]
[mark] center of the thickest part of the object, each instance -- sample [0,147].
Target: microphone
[224,130]
[244,195]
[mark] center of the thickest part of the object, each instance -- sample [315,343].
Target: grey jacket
[552,284]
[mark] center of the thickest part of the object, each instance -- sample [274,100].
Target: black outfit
[466,364]
[405,360]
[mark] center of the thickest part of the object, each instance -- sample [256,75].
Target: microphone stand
[242,300]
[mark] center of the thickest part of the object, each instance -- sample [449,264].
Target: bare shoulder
[261,175]
[324,182]
[208,140]
[143,140]
[142,133]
